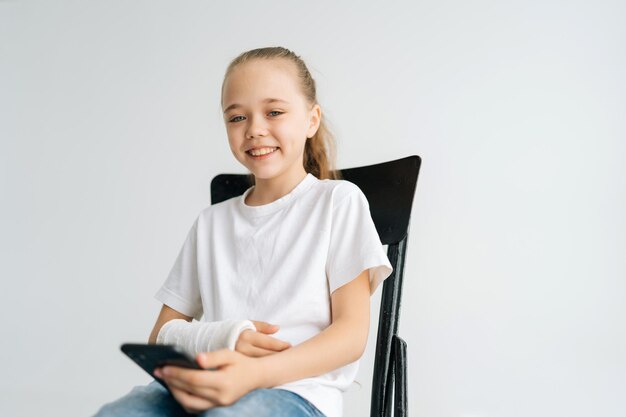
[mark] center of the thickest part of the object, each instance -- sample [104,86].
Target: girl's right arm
[166,314]
[250,343]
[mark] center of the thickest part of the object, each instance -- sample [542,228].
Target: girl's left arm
[341,343]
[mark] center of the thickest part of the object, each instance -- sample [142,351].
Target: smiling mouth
[262,152]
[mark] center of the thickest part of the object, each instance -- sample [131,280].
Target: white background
[515,290]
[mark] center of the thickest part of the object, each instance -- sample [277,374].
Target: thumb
[264,327]
[214,360]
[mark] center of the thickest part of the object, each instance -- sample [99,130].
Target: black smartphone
[149,357]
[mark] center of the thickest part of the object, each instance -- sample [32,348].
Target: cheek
[235,148]
[233,137]
[291,135]
[231,143]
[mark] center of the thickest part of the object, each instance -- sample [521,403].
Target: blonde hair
[320,149]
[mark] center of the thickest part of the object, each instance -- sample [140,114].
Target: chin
[266,173]
[263,175]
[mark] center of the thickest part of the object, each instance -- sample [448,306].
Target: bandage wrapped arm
[202,336]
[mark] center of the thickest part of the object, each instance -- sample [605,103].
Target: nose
[256,128]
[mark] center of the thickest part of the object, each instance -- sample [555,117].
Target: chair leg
[388,406]
[400,380]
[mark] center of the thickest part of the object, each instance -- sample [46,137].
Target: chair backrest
[389,188]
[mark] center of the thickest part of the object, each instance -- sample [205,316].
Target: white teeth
[262,151]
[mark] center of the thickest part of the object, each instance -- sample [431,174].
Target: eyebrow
[267,100]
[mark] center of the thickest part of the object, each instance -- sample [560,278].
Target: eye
[233,119]
[276,111]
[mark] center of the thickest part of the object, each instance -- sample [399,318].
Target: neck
[268,190]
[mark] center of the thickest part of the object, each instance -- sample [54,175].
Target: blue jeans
[153,400]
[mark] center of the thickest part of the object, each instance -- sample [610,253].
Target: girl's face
[264,110]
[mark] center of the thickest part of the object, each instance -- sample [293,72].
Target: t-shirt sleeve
[180,290]
[354,243]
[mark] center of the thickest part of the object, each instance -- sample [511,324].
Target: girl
[298,248]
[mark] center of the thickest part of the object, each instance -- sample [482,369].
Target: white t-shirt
[279,263]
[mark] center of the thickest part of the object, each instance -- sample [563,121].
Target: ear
[315,120]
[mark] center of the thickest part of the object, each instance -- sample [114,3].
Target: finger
[216,359]
[265,327]
[180,384]
[270,343]
[197,390]
[256,352]
[243,339]
[245,349]
[191,403]
[198,382]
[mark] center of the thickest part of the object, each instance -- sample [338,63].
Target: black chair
[389,188]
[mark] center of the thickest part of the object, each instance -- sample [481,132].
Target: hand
[198,390]
[257,344]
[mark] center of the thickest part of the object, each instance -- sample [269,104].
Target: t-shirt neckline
[264,209]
